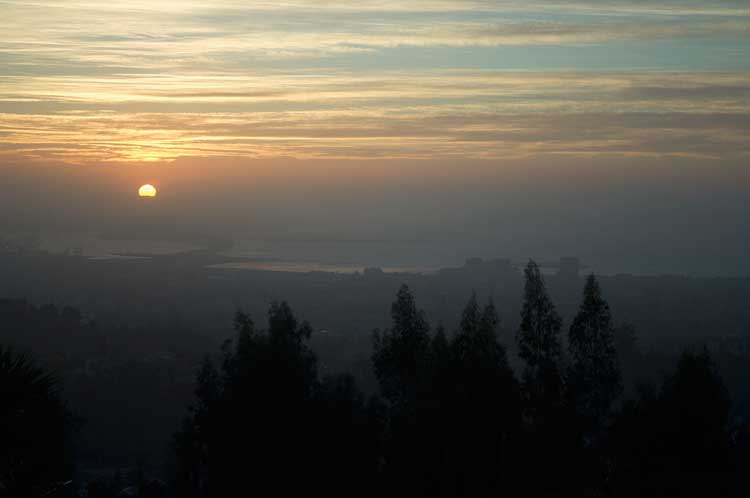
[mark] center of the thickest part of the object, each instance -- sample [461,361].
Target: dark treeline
[454,415]
[453,418]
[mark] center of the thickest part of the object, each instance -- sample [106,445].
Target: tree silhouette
[263,422]
[35,430]
[484,407]
[539,346]
[400,352]
[193,441]
[593,383]
[455,421]
[675,442]
[549,440]
[594,380]
[400,360]
[247,424]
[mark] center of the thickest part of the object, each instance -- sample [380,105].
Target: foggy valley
[419,248]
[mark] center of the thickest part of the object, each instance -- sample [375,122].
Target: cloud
[226,35]
[148,81]
[390,115]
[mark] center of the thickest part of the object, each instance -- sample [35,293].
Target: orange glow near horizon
[147,190]
[137,81]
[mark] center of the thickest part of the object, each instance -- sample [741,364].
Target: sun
[147,190]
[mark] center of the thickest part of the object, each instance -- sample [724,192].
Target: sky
[601,128]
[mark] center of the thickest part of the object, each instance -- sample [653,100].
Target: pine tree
[594,377]
[254,416]
[483,407]
[538,338]
[549,443]
[401,351]
[539,341]
[401,359]
[476,342]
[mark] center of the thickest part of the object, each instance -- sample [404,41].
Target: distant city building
[373,271]
[474,263]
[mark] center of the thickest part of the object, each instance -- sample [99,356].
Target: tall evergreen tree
[549,441]
[401,361]
[476,345]
[253,417]
[539,341]
[594,380]
[400,353]
[538,337]
[484,406]
[198,437]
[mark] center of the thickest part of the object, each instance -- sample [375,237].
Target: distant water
[307,266]
[342,256]
[296,256]
[347,256]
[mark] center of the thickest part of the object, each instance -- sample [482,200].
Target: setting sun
[147,190]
